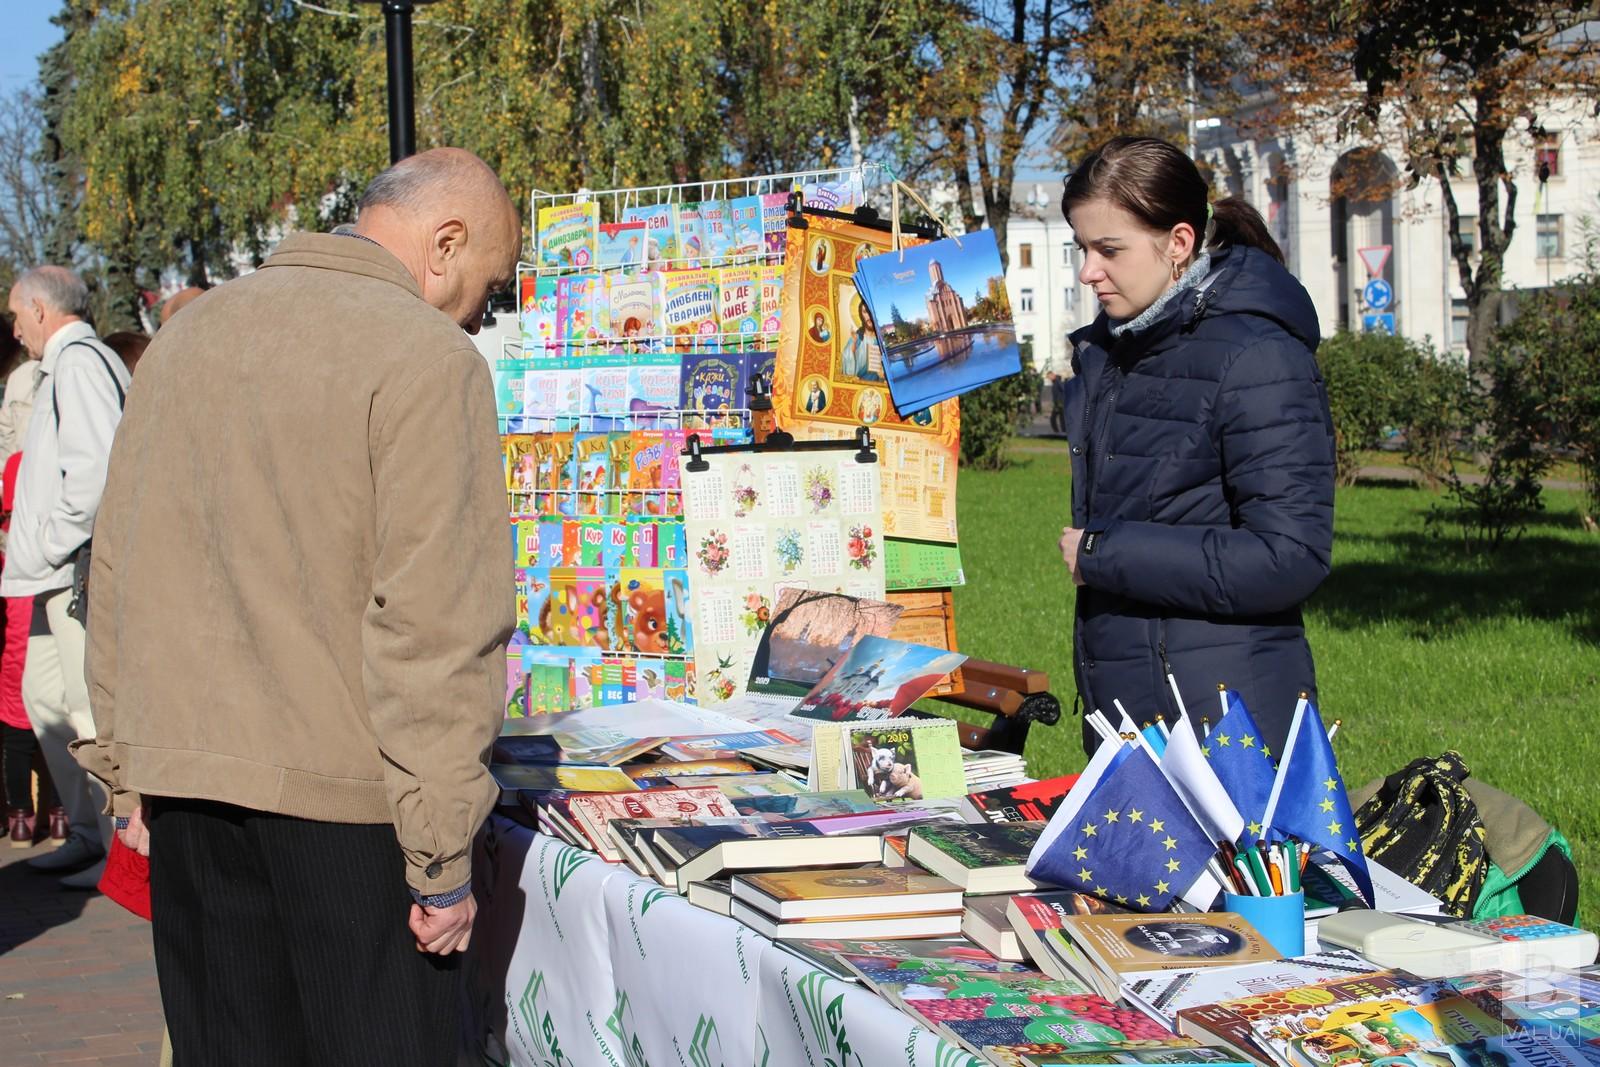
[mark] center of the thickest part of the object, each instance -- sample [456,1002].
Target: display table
[576,961]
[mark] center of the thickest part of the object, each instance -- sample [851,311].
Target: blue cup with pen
[1264,888]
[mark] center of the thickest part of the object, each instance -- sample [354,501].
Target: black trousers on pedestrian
[20,752]
[282,942]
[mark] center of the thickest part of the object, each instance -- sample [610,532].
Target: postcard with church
[879,679]
[942,317]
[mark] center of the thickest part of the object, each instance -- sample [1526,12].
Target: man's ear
[448,243]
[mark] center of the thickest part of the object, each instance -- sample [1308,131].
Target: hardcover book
[1118,944]
[634,302]
[514,777]
[980,858]
[854,892]
[700,852]
[1030,802]
[592,812]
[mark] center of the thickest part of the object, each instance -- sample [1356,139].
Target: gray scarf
[1191,278]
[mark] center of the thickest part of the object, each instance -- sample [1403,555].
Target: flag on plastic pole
[1241,761]
[1309,802]
[1103,762]
[1186,767]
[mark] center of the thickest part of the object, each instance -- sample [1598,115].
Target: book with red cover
[1029,802]
[594,811]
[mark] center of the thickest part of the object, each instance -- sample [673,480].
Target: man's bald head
[445,215]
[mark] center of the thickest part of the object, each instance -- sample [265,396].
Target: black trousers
[281,942]
[20,751]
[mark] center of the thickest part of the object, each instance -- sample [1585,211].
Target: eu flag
[1133,840]
[1309,802]
[1242,762]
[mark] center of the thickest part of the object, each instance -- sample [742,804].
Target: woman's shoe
[59,828]
[20,830]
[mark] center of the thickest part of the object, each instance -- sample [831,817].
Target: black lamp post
[402,108]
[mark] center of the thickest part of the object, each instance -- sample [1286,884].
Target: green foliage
[1418,648]
[992,413]
[1375,384]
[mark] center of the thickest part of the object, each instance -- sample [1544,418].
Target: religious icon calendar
[757,522]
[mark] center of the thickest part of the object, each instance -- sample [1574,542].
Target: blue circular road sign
[1378,294]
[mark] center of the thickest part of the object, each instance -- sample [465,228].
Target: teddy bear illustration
[648,610]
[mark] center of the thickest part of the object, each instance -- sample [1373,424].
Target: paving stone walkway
[77,979]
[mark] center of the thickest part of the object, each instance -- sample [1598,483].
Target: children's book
[739,299]
[715,224]
[510,384]
[774,222]
[744,220]
[569,235]
[712,382]
[661,233]
[720,746]
[580,311]
[654,383]
[539,316]
[771,285]
[622,245]
[688,304]
[634,303]
[845,194]
[691,238]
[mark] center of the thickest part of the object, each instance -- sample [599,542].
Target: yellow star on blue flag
[1244,769]
[1308,781]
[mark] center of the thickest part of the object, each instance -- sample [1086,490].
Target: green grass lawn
[1419,647]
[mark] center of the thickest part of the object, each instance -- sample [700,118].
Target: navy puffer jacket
[1202,467]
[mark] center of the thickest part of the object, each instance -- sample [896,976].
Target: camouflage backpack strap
[1423,825]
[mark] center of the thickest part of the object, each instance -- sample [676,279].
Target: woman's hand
[1070,539]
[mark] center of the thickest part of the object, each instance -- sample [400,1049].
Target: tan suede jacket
[300,594]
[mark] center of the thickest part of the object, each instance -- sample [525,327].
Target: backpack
[1484,853]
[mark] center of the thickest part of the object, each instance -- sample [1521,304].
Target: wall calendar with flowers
[759,521]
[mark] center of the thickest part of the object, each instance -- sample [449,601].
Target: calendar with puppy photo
[903,763]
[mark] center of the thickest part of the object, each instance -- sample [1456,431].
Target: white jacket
[63,469]
[17,407]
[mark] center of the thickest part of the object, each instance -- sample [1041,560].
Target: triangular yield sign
[1376,258]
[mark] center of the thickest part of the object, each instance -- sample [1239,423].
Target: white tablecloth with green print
[577,961]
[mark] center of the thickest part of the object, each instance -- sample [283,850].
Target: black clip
[778,439]
[864,449]
[697,462]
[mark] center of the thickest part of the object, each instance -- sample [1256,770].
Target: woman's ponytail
[1235,222]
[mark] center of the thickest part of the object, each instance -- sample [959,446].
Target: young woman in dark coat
[1202,448]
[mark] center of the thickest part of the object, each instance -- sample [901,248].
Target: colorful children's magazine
[622,245]
[688,304]
[661,233]
[569,235]
[691,238]
[634,304]
[538,316]
[744,220]
[739,299]
[774,222]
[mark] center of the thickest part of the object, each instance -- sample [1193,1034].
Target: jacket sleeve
[90,412]
[442,608]
[1276,442]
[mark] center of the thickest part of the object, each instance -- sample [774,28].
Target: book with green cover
[981,858]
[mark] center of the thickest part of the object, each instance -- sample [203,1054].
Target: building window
[1458,324]
[1025,255]
[1467,227]
[1548,237]
[1069,297]
[1547,157]
[1066,255]
[1025,299]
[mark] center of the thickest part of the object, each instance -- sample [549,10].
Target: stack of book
[988,769]
[853,902]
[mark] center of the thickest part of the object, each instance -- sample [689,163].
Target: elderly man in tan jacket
[299,609]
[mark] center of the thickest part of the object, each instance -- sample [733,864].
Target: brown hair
[1160,186]
[127,344]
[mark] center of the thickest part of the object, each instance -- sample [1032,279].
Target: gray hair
[413,183]
[58,287]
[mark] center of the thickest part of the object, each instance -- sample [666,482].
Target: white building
[1325,202]
[1047,302]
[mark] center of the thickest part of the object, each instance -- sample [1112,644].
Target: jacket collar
[71,333]
[351,255]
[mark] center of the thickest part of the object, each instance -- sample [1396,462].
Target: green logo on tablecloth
[765,1050]
[568,860]
[541,1026]
[827,1021]
[650,898]
[620,1023]
[705,1048]
[950,1056]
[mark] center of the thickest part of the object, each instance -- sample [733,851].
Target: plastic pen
[1275,870]
[1229,855]
[1248,876]
[1258,870]
[1291,863]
